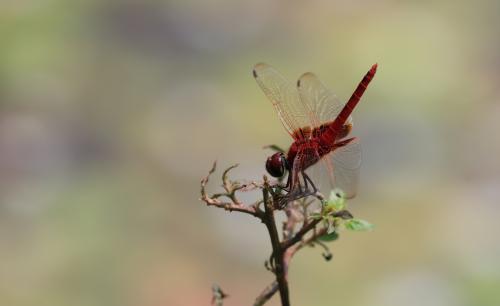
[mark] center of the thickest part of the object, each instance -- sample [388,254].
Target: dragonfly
[319,124]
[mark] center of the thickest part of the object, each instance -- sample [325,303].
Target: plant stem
[298,236]
[278,252]
[266,294]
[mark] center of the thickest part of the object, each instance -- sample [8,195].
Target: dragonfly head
[276,164]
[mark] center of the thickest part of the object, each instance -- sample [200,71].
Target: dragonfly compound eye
[276,164]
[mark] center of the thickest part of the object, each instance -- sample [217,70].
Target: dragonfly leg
[288,182]
[301,190]
[306,180]
[315,189]
[292,195]
[304,177]
[297,190]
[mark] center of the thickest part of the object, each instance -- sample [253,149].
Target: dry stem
[283,250]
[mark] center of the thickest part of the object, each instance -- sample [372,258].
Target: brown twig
[301,233]
[292,250]
[282,250]
[266,294]
[279,268]
[230,188]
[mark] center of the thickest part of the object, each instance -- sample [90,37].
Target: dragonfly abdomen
[335,128]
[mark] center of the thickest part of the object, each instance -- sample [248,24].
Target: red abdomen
[335,128]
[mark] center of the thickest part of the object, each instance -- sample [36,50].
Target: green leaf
[343,214]
[358,225]
[329,237]
[336,200]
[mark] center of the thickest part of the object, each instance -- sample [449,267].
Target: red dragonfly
[319,124]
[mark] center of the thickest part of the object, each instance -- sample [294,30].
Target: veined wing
[306,158]
[323,105]
[285,98]
[343,166]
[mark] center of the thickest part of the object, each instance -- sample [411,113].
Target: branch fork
[300,228]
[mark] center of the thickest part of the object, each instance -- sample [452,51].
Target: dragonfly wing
[295,171]
[323,105]
[305,158]
[345,163]
[284,97]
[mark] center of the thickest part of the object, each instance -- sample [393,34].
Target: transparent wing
[339,169]
[297,167]
[323,105]
[345,163]
[284,97]
[306,157]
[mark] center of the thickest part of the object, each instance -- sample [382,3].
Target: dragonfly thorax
[309,151]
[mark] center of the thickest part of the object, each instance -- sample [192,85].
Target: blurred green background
[112,111]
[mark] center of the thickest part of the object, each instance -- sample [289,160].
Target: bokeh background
[112,111]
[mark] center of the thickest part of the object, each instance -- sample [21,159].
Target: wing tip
[259,66]
[305,76]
